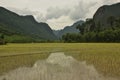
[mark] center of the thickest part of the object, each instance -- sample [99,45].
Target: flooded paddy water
[57,66]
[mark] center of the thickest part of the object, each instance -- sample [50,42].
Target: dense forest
[89,32]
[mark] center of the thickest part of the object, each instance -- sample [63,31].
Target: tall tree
[81,28]
[2,41]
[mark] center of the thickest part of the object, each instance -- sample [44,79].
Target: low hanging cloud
[77,11]
[56,12]
[55,15]
[80,11]
[24,11]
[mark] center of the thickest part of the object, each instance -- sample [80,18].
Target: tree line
[2,41]
[90,32]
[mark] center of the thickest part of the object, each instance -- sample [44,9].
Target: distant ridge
[68,29]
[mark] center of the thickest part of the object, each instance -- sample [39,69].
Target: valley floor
[104,56]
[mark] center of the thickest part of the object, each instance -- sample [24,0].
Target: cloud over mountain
[49,11]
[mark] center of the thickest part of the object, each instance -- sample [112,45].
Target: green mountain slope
[12,23]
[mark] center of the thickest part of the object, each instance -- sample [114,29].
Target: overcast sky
[57,13]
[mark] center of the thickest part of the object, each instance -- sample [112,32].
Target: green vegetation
[2,41]
[103,36]
[14,24]
[89,32]
[104,27]
[18,39]
[104,56]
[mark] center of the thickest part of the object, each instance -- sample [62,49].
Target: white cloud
[56,12]
[60,22]
[24,11]
[81,10]
[67,11]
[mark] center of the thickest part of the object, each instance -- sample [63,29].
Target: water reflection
[57,66]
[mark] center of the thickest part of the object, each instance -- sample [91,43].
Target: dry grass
[104,56]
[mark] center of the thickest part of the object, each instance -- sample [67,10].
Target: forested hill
[104,27]
[13,24]
[107,14]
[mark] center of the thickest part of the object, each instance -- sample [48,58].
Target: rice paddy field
[104,56]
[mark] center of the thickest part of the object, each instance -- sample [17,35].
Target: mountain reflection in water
[57,66]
